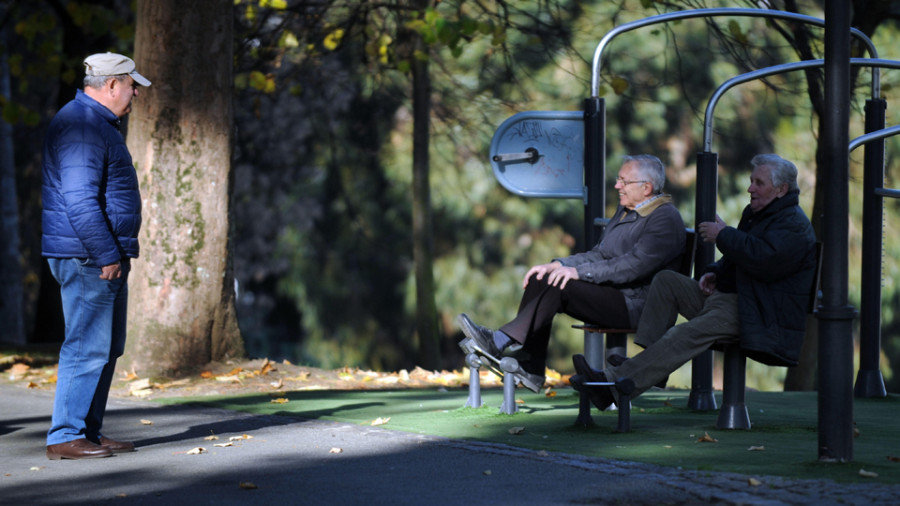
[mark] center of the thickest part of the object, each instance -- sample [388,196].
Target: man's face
[762,191]
[632,189]
[120,95]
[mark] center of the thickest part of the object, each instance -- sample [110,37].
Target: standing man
[91,217]
[756,294]
[606,286]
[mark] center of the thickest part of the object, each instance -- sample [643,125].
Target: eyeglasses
[626,182]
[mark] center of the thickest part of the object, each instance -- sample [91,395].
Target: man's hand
[710,230]
[708,283]
[539,271]
[562,276]
[111,271]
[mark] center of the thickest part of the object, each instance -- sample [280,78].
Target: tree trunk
[12,330]
[181,309]
[423,229]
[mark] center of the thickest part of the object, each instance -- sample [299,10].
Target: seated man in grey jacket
[606,285]
[756,294]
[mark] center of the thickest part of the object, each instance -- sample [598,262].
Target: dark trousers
[589,302]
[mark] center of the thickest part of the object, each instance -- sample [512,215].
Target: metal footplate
[625,388]
[505,367]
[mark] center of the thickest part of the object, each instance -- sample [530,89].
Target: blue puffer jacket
[91,199]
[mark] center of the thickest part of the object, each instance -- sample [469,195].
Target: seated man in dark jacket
[757,294]
[606,285]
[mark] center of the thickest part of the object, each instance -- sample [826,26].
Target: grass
[664,432]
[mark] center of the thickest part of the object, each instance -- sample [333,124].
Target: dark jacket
[91,200]
[635,245]
[774,257]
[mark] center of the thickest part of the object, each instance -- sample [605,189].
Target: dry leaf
[229,379]
[516,430]
[248,485]
[146,422]
[336,450]
[706,438]
[667,404]
[235,371]
[487,472]
[280,400]
[277,384]
[753,482]
[129,376]
[223,445]
[196,451]
[31,384]
[211,438]
[19,369]
[520,401]
[141,384]
[867,474]
[242,436]
[142,393]
[206,374]
[756,449]
[381,421]
[893,459]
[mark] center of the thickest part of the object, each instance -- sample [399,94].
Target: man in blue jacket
[606,285]
[91,218]
[757,294]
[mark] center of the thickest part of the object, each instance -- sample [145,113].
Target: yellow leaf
[146,422]
[280,400]
[516,430]
[706,438]
[277,384]
[238,438]
[336,450]
[333,39]
[867,474]
[248,485]
[196,451]
[142,393]
[19,369]
[266,368]
[211,438]
[206,374]
[381,421]
[31,384]
[520,401]
[753,482]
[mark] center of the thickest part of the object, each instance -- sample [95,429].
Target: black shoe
[616,360]
[478,336]
[601,396]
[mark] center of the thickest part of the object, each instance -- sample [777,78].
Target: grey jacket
[634,246]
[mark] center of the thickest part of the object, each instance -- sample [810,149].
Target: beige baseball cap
[112,64]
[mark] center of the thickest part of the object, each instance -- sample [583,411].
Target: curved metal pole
[698,13]
[873,136]
[776,69]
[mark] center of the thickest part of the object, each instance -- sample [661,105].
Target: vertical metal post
[594,199]
[869,382]
[702,396]
[835,371]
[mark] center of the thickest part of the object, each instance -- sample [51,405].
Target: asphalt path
[280,460]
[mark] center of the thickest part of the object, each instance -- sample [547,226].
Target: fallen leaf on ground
[280,400]
[706,438]
[31,384]
[140,384]
[381,421]
[248,485]
[756,449]
[229,379]
[336,450]
[487,472]
[266,368]
[753,482]
[893,459]
[223,445]
[549,392]
[242,436]
[277,384]
[867,474]
[516,430]
[211,438]
[206,375]
[146,422]
[234,371]
[520,401]
[19,369]
[196,451]
[142,393]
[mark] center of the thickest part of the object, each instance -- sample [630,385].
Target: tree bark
[12,330]
[423,229]
[182,308]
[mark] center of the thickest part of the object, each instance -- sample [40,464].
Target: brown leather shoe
[116,446]
[77,449]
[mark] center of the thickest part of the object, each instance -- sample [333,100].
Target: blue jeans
[94,310]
